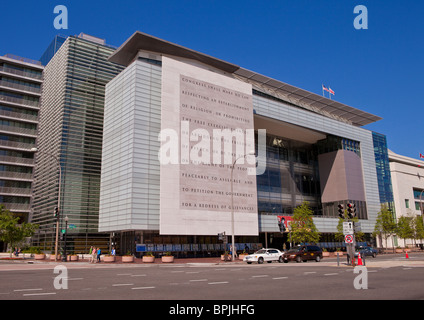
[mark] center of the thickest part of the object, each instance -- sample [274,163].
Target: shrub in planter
[149,257]
[128,257]
[168,257]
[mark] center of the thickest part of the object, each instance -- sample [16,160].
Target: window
[407,203]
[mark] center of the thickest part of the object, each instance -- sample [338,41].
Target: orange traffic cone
[359,259]
[406,255]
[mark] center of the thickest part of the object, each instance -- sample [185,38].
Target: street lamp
[64,258]
[35,150]
[232,204]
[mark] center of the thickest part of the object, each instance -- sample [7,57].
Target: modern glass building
[70,138]
[171,101]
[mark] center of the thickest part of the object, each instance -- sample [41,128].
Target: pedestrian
[99,252]
[93,255]
[113,251]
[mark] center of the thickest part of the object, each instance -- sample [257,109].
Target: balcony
[15,191]
[24,74]
[20,101]
[20,87]
[17,207]
[18,131]
[17,176]
[18,116]
[17,161]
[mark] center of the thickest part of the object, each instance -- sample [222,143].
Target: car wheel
[298,259]
[249,263]
[280,259]
[317,259]
[261,260]
[374,255]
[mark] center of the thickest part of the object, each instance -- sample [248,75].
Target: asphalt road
[385,278]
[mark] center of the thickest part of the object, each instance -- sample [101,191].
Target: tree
[404,228]
[418,228]
[385,225]
[303,229]
[10,231]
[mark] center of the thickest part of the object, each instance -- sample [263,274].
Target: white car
[262,255]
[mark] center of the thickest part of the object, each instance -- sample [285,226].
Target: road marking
[198,280]
[330,274]
[38,294]
[138,275]
[141,288]
[18,290]
[278,278]
[260,276]
[219,282]
[192,272]
[309,272]
[122,284]
[123,274]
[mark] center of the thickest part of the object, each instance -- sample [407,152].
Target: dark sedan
[366,251]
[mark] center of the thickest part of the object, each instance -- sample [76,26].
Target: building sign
[284,223]
[206,123]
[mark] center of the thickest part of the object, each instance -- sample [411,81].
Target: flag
[331,91]
[421,156]
[324,88]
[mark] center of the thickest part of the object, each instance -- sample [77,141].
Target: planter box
[127,259]
[148,259]
[326,254]
[223,257]
[338,252]
[109,258]
[167,259]
[241,256]
[39,256]
[58,257]
[399,250]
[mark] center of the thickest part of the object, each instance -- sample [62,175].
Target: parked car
[263,255]
[303,253]
[367,251]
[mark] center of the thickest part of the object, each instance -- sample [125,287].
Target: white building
[408,188]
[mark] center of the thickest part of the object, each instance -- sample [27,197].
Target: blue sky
[304,43]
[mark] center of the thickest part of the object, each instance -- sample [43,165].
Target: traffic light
[341,211]
[351,210]
[56,212]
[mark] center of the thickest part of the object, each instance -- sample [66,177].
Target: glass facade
[383,170]
[52,49]
[291,177]
[71,130]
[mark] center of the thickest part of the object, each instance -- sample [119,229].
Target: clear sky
[305,43]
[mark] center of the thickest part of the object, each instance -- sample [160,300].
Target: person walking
[99,252]
[93,255]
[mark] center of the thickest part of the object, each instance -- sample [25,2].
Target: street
[388,277]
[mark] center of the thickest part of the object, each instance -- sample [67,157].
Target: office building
[165,187]
[20,91]
[70,133]
[408,190]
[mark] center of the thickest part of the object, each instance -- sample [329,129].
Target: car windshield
[261,251]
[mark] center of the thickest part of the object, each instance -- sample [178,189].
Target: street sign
[349,238]
[348,228]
